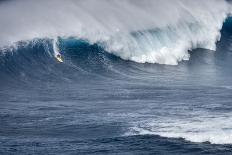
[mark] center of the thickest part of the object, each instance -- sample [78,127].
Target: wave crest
[141,31]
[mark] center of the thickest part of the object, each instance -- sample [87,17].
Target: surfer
[59,58]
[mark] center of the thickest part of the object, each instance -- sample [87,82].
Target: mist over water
[160,31]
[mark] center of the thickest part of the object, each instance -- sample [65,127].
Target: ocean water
[151,91]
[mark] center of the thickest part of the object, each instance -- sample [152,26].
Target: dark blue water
[97,103]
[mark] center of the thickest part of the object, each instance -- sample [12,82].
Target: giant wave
[190,101]
[142,31]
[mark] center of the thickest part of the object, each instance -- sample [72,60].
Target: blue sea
[101,100]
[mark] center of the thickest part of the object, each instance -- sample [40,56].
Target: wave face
[133,30]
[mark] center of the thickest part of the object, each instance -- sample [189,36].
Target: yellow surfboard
[59,58]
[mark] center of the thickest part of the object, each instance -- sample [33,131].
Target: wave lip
[133,30]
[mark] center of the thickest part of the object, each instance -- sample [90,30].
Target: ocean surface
[101,100]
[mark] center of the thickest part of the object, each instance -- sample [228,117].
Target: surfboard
[59,59]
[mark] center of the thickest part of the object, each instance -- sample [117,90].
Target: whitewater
[161,31]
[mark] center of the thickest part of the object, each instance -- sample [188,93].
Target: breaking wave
[199,130]
[150,31]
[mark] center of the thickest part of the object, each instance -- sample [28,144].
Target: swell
[35,60]
[133,30]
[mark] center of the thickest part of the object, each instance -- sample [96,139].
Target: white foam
[55,47]
[182,24]
[214,129]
